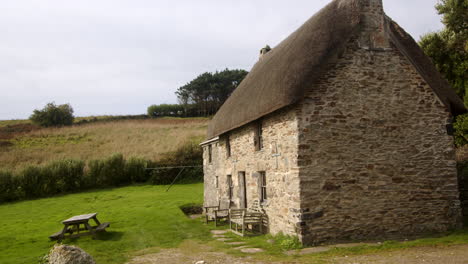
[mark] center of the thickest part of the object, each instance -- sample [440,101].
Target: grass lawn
[145,218]
[140,216]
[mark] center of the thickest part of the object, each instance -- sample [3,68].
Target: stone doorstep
[224,239]
[235,243]
[251,250]
[241,247]
[219,236]
[219,232]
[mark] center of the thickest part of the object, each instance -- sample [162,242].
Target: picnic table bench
[79,223]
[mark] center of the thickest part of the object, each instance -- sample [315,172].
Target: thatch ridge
[281,76]
[277,79]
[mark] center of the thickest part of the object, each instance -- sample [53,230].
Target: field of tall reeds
[148,139]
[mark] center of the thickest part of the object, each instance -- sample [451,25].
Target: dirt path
[191,252]
[421,255]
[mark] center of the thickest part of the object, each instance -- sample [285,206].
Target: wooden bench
[217,212]
[243,218]
[102,227]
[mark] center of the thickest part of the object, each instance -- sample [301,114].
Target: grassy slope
[142,138]
[140,216]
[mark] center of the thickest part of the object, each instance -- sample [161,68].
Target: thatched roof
[278,79]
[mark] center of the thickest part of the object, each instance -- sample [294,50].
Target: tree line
[202,96]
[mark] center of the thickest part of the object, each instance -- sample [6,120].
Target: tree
[449,47]
[53,115]
[206,93]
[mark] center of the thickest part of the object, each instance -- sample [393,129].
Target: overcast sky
[120,56]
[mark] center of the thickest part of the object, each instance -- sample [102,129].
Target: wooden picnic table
[79,223]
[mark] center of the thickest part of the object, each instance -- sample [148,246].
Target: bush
[135,170]
[108,172]
[65,176]
[53,115]
[287,242]
[461,130]
[32,182]
[166,110]
[10,189]
[189,154]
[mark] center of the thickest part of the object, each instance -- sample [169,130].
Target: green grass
[146,218]
[141,217]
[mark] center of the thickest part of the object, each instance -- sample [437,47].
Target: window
[217,182]
[230,187]
[263,190]
[228,146]
[258,136]
[209,153]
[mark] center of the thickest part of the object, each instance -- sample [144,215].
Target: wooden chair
[217,212]
[243,218]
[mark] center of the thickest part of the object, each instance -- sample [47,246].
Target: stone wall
[280,135]
[210,170]
[375,158]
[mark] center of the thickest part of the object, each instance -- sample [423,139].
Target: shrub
[53,115]
[65,176]
[32,182]
[107,172]
[9,187]
[287,242]
[461,130]
[135,170]
[166,110]
[189,154]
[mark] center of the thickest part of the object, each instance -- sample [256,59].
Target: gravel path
[421,255]
[190,252]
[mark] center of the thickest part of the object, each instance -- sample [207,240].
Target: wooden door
[242,190]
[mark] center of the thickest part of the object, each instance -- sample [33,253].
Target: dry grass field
[22,144]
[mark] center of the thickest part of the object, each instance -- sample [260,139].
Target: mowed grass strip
[141,217]
[149,139]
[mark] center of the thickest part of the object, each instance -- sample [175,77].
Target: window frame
[258,135]
[230,184]
[210,154]
[263,187]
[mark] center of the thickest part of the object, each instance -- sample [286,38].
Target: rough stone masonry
[363,154]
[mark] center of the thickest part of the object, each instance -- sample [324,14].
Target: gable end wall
[374,155]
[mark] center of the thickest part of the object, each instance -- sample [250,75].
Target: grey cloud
[119,56]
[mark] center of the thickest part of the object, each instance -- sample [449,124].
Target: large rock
[64,254]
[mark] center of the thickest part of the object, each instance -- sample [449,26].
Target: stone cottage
[341,132]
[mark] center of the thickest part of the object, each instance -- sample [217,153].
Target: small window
[217,182]
[210,154]
[258,136]
[263,184]
[228,146]
[230,187]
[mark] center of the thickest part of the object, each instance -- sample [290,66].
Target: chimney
[264,51]
[373,23]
